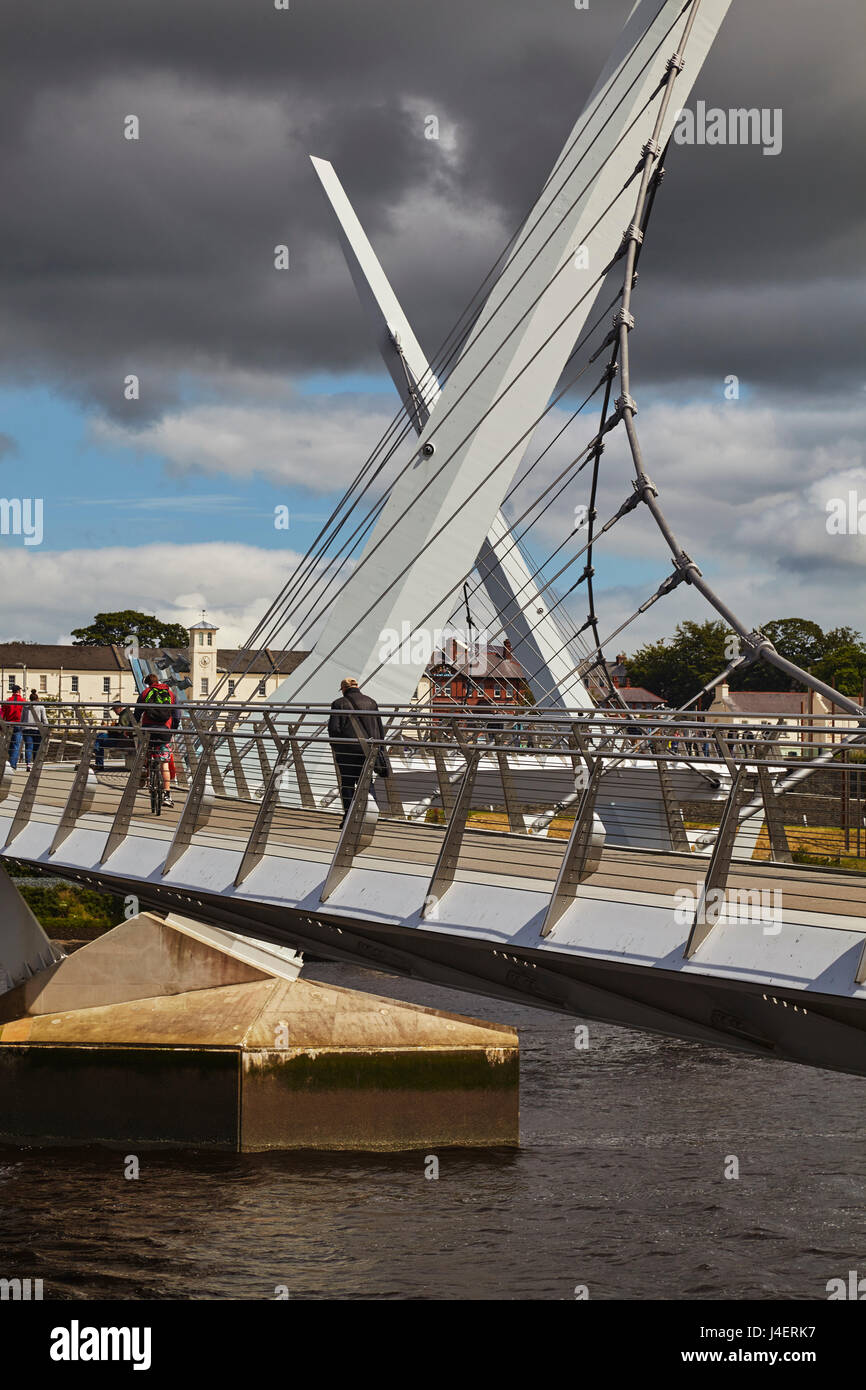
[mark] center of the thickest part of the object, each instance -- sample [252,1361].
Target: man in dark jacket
[351,715]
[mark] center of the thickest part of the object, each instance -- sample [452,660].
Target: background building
[494,676]
[94,675]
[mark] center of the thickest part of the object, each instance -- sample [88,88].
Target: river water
[619,1186]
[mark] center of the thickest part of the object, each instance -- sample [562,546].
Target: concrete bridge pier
[168,1032]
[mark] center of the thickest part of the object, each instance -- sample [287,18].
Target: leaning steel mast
[452,483]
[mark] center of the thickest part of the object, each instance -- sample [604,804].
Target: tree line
[679,666]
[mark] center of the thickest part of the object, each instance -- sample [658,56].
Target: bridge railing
[262,778]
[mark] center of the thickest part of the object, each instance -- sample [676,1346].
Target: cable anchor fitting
[624,403]
[673,580]
[651,147]
[631,234]
[757,644]
[675,63]
[686,567]
[622,316]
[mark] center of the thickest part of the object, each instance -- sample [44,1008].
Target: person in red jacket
[11,711]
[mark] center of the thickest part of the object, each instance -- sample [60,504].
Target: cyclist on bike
[155,710]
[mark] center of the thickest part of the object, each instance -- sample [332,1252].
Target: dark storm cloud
[156,256]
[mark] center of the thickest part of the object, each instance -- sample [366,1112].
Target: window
[106,685]
[232,685]
[201,639]
[437,689]
[205,685]
[262,686]
[497,693]
[43,683]
[210,639]
[11,682]
[74,686]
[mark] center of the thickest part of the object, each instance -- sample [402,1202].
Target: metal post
[395,804]
[515,820]
[446,788]
[308,801]
[62,749]
[673,810]
[241,788]
[462,743]
[123,815]
[75,800]
[216,776]
[264,765]
[257,843]
[28,796]
[706,913]
[722,744]
[351,835]
[780,850]
[191,754]
[578,740]
[449,852]
[190,818]
[582,853]
[5,770]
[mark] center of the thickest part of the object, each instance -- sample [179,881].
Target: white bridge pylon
[538,643]
[451,485]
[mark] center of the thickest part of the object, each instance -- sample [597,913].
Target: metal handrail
[280,742]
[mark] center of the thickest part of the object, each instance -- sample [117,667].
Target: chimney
[724,690]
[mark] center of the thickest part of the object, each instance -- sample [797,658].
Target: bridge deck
[485,854]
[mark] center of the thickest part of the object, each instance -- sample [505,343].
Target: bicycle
[157,792]
[159,743]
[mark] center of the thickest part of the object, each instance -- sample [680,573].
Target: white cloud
[59,590]
[746,488]
[316,443]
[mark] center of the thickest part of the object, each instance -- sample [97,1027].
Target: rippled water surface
[619,1185]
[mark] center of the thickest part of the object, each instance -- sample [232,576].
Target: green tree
[844,668]
[676,669]
[108,628]
[840,637]
[797,639]
[816,651]
[697,652]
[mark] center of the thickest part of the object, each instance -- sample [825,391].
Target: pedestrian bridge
[496,860]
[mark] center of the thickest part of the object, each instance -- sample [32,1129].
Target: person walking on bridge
[34,724]
[13,711]
[354,714]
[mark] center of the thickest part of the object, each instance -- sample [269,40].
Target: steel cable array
[305,602]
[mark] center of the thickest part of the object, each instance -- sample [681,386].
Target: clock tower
[203,659]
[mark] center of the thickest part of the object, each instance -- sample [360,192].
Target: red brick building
[493,677]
